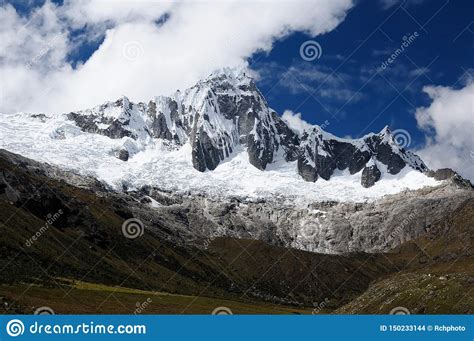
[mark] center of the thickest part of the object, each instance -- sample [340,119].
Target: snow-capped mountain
[221,126]
[215,116]
[226,110]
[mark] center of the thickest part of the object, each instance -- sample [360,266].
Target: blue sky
[351,54]
[66,55]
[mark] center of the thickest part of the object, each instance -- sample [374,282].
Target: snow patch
[154,163]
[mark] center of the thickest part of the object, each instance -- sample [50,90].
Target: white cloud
[32,52]
[21,40]
[98,12]
[139,58]
[295,122]
[450,120]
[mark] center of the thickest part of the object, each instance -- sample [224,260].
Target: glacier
[219,138]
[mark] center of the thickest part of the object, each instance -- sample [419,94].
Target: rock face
[322,153]
[442,174]
[370,175]
[226,110]
[325,227]
[449,174]
[122,154]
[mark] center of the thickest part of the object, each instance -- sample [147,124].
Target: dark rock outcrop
[442,174]
[449,174]
[122,154]
[370,175]
[322,153]
[205,155]
[307,172]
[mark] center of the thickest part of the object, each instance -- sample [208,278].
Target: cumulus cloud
[99,12]
[449,123]
[32,52]
[149,48]
[295,122]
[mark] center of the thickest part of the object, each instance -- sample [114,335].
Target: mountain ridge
[226,110]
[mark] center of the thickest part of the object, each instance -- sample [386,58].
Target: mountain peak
[225,113]
[230,77]
[386,131]
[236,72]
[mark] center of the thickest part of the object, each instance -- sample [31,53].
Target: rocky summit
[226,111]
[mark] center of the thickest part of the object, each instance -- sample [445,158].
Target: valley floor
[89,298]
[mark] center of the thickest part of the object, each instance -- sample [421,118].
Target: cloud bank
[449,123]
[148,48]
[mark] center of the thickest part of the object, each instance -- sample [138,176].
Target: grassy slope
[439,278]
[87,245]
[89,298]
